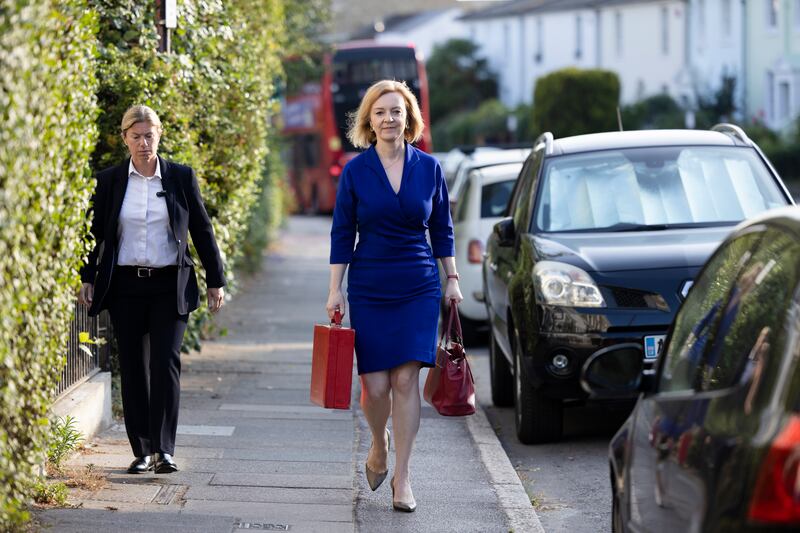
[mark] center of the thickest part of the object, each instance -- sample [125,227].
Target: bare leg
[377,406]
[405,421]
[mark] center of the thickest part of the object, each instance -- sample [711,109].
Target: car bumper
[577,334]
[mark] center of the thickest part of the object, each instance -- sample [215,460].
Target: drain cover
[260,526]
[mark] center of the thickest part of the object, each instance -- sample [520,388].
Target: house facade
[716,48]
[772,64]
[644,41]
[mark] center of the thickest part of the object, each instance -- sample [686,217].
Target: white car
[453,159]
[482,204]
[479,159]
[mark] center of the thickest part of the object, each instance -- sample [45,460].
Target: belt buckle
[143,272]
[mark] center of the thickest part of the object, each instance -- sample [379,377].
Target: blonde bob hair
[360,133]
[140,113]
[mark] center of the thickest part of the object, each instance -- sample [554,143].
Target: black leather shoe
[142,465]
[165,464]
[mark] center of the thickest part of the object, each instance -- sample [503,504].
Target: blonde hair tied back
[140,113]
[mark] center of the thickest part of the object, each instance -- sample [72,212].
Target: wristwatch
[453,276]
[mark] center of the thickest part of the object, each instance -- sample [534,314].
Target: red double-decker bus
[316,119]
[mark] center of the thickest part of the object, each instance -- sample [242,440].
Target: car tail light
[776,499]
[475,251]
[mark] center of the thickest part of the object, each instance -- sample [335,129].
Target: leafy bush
[485,125]
[573,102]
[50,493]
[47,133]
[64,439]
[656,112]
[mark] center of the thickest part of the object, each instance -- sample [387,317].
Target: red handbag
[332,364]
[449,386]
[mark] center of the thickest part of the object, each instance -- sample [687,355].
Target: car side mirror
[506,234]
[614,372]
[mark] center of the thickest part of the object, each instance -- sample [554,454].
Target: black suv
[603,238]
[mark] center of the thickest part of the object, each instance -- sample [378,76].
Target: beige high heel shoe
[375,479]
[406,507]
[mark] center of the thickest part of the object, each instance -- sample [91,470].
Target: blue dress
[393,281]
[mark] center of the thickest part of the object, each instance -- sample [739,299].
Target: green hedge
[47,134]
[68,70]
[572,101]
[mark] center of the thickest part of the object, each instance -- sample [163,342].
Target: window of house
[618,31]
[539,40]
[665,30]
[772,13]
[796,15]
[727,19]
[578,37]
[784,103]
[769,102]
[701,20]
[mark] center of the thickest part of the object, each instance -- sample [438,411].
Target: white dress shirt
[144,234]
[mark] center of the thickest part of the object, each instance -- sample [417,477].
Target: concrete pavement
[255,454]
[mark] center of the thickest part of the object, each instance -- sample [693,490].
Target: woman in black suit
[141,271]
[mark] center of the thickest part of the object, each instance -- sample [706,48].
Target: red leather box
[332,364]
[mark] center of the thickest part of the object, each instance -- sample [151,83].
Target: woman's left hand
[216,298]
[452,291]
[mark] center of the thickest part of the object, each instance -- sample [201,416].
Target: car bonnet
[621,251]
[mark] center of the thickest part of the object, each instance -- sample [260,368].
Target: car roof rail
[547,139]
[734,131]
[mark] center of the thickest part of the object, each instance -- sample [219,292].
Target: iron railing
[85,359]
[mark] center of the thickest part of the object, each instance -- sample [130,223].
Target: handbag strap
[337,318]
[452,320]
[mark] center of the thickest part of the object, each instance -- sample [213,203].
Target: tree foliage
[574,101]
[459,80]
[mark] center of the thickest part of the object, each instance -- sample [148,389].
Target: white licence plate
[653,345]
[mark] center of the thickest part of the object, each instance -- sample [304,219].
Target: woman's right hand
[86,294]
[335,301]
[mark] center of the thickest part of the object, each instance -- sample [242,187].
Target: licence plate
[653,345]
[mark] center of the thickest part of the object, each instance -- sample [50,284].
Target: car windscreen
[494,198]
[653,188]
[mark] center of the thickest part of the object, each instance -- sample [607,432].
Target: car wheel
[538,418]
[500,375]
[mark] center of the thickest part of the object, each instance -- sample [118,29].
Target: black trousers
[149,332]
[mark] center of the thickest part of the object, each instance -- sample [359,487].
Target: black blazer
[186,214]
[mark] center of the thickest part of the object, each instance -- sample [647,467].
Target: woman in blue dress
[390,195]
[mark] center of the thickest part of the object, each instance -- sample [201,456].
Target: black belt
[146,272]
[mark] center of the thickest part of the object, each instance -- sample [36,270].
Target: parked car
[605,235]
[481,205]
[452,159]
[713,444]
[479,159]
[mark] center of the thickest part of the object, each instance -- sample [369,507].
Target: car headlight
[567,285]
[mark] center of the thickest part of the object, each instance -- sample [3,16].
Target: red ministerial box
[332,365]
